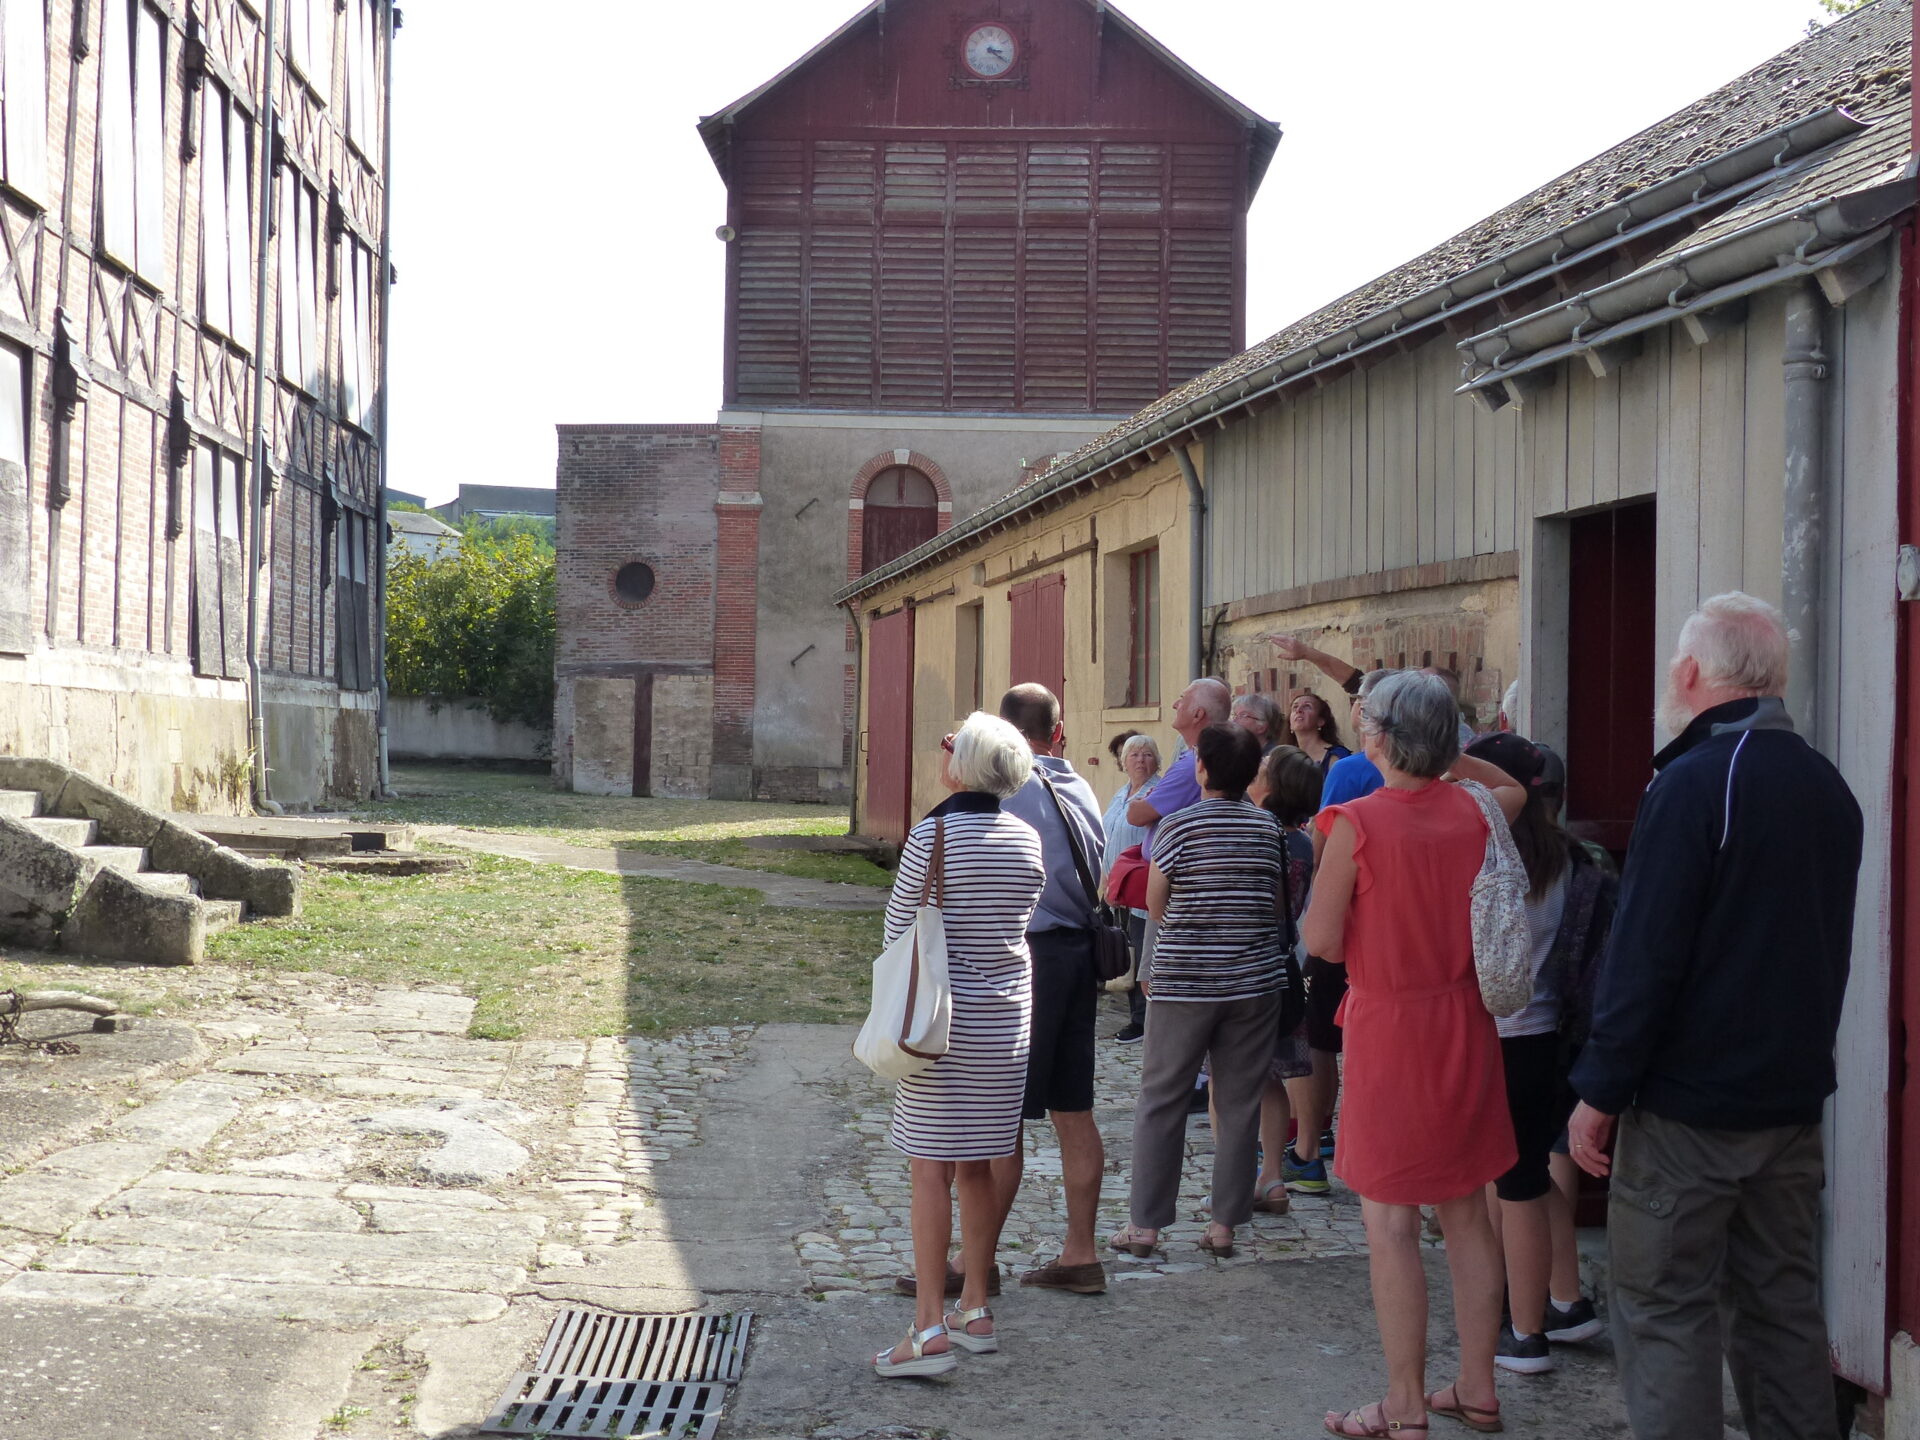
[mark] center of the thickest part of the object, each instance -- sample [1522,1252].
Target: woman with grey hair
[963,1112]
[1425,1120]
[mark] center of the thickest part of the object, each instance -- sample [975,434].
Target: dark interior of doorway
[1611,663]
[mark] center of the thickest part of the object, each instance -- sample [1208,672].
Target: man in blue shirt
[1205,702]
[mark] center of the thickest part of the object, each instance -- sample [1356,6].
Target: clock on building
[990,51]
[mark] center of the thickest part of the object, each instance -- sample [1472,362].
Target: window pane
[26,92]
[116,134]
[240,258]
[215,264]
[13,428]
[150,144]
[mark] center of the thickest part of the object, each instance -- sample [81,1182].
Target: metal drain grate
[608,1375]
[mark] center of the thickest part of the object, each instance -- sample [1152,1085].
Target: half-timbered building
[192,313]
[961,240]
[1527,454]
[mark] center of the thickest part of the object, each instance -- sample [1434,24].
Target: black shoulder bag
[1111,956]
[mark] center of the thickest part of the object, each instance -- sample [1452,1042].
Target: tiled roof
[1862,61]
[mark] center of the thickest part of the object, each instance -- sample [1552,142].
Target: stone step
[166,882]
[19,804]
[75,833]
[223,914]
[127,859]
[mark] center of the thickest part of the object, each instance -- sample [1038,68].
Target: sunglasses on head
[947,744]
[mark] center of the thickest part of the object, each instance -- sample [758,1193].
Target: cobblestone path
[871,1243]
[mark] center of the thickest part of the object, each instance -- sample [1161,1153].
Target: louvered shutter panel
[1054,365]
[767,318]
[1127,319]
[1199,303]
[913,317]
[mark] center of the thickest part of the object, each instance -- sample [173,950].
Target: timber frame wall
[124,526]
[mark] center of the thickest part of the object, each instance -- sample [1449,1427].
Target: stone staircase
[83,869]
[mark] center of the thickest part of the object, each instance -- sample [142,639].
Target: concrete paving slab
[117,1160]
[108,1374]
[442,1245]
[340,1307]
[270,1264]
[468,1366]
[49,1205]
[268,1212]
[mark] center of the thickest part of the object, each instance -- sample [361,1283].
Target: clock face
[991,51]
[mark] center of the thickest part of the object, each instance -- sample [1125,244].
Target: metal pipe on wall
[1803,533]
[1196,563]
[257,467]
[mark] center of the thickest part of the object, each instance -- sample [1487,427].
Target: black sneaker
[1577,1322]
[1130,1034]
[1527,1357]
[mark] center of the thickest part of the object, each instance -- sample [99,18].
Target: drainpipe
[1196,562]
[257,470]
[384,781]
[1803,538]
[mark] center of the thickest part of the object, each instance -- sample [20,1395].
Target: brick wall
[735,620]
[636,493]
[123,588]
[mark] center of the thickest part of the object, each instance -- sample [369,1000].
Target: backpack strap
[1073,844]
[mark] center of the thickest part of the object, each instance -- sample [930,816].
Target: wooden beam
[1039,563]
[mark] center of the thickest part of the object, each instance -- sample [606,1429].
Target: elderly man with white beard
[1714,1020]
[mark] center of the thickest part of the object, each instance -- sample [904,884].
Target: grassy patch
[520,803]
[553,953]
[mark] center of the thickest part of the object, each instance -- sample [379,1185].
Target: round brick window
[633,582]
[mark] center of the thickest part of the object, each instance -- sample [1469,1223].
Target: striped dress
[966,1106]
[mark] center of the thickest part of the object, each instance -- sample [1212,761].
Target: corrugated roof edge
[1780,147]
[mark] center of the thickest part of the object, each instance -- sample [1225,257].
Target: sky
[554,210]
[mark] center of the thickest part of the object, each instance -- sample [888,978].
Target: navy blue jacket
[1719,998]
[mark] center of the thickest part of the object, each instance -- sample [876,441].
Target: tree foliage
[501,528]
[476,623]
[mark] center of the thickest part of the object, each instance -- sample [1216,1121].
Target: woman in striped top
[964,1111]
[1213,990]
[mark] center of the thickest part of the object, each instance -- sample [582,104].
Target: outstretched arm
[1339,671]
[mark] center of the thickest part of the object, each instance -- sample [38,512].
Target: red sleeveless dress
[1423,1109]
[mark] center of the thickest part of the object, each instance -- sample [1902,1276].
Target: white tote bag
[907,1028]
[1502,939]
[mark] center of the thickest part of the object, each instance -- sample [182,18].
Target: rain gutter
[1816,236]
[1744,169]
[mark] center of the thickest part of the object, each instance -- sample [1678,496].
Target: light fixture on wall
[726,234]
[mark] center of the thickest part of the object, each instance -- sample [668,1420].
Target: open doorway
[1610,671]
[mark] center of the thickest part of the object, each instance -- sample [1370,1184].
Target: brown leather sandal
[1487,1422]
[1339,1424]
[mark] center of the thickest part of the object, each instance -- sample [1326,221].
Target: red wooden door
[890,727]
[1037,634]
[1610,672]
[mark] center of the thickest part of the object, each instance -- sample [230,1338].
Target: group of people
[1306,927]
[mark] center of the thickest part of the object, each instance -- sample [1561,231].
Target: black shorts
[1540,1101]
[1326,988]
[1065,1003]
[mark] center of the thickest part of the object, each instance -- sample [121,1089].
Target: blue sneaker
[1309,1178]
[1326,1144]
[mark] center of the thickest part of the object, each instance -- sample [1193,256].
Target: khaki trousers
[1238,1038]
[1715,1244]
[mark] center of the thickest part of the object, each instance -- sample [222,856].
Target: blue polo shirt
[1349,779]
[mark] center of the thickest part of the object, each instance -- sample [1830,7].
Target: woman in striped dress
[955,1117]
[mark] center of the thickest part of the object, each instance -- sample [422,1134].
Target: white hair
[1140,742]
[1510,705]
[990,755]
[1414,713]
[1213,696]
[1740,643]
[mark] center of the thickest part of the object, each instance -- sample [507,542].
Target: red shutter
[890,727]
[1037,639]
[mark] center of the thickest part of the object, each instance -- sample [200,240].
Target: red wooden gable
[1071,242]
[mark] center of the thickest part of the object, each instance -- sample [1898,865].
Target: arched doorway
[901,510]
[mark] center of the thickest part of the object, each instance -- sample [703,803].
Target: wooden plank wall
[1386,468]
[1378,469]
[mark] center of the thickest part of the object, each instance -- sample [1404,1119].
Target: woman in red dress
[1425,1119]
